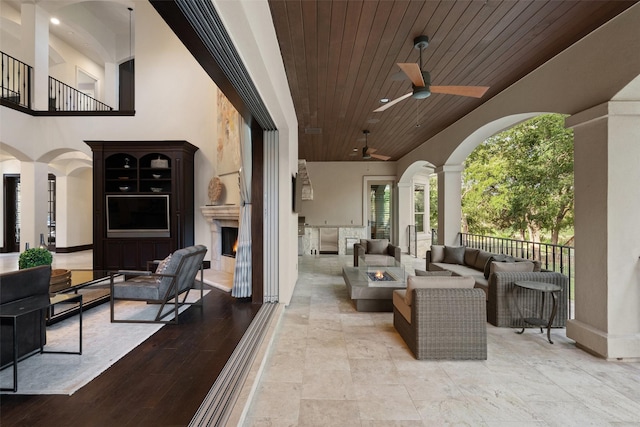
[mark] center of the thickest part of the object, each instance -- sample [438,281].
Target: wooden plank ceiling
[340,58]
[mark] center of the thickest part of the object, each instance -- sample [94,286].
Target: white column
[35,48]
[449,204]
[606,174]
[405,214]
[33,202]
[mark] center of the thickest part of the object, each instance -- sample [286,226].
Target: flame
[235,246]
[379,274]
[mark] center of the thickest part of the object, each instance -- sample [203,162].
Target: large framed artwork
[228,147]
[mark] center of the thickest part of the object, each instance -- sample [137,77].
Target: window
[418,207]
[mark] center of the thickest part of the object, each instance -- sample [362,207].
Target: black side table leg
[553,315]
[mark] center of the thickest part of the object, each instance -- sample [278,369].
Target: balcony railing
[63,97]
[557,258]
[15,81]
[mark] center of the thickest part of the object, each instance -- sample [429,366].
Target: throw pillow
[433,273]
[377,246]
[162,266]
[487,265]
[519,267]
[481,260]
[454,255]
[470,256]
[437,253]
[453,282]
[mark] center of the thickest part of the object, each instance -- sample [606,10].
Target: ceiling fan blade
[392,103]
[412,70]
[371,150]
[380,157]
[472,91]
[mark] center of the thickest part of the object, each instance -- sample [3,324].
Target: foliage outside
[34,257]
[519,183]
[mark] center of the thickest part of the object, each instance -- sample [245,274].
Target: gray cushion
[470,256]
[454,255]
[453,282]
[520,267]
[433,273]
[437,253]
[481,260]
[497,258]
[377,246]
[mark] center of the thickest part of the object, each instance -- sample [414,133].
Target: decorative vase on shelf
[159,163]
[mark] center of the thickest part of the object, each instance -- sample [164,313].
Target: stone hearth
[219,216]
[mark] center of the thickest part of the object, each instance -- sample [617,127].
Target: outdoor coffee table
[544,288]
[371,287]
[39,303]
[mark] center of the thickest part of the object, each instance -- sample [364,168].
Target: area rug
[103,344]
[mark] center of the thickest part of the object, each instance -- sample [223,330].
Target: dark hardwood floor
[160,383]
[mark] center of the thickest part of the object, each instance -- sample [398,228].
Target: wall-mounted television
[131,215]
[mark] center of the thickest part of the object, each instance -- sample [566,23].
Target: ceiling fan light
[365,153]
[421,92]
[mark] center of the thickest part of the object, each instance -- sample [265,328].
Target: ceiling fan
[422,81]
[369,153]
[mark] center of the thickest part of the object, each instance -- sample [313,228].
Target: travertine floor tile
[331,365]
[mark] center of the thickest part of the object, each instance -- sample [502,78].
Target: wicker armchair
[500,308]
[445,323]
[376,252]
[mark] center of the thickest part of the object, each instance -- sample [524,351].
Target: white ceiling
[97,29]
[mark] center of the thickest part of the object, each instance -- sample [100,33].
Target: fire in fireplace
[229,241]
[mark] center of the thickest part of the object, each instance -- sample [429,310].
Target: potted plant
[33,257]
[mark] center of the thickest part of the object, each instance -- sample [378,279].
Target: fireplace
[229,241]
[221,218]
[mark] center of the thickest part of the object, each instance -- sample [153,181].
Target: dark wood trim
[71,249]
[9,220]
[257,206]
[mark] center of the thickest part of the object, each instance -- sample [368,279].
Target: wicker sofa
[441,317]
[495,274]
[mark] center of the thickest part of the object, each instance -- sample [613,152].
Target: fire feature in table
[380,276]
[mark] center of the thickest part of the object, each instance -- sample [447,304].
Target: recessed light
[355,149]
[384,100]
[55,21]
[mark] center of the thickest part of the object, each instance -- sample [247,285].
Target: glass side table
[544,288]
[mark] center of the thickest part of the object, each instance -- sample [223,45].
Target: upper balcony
[16,85]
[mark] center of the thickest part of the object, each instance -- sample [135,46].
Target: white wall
[251,29]
[74,206]
[337,191]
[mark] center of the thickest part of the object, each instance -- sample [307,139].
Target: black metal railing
[557,258]
[15,81]
[63,97]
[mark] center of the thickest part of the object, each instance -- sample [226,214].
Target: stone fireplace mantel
[219,216]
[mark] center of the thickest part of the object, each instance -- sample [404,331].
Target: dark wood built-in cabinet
[143,201]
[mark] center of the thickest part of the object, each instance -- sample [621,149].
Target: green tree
[520,181]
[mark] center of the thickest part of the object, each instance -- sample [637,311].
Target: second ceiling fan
[422,81]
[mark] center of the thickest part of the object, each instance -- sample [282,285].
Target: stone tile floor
[333,366]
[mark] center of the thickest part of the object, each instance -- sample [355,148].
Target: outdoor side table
[544,288]
[41,303]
